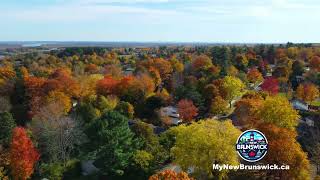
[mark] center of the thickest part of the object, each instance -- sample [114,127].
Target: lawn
[315,103]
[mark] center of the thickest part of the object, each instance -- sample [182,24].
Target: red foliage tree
[187,110]
[107,85]
[34,86]
[270,85]
[23,154]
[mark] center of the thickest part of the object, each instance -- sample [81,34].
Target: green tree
[7,123]
[199,145]
[150,142]
[125,109]
[112,144]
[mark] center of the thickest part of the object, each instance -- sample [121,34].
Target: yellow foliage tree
[277,110]
[59,97]
[199,145]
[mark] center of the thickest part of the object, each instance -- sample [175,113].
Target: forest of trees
[96,113]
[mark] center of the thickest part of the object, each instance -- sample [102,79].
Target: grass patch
[315,103]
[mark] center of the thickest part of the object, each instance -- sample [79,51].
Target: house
[300,78]
[128,71]
[272,67]
[307,69]
[172,113]
[268,74]
[309,121]
[299,105]
[88,167]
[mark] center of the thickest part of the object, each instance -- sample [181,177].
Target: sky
[228,21]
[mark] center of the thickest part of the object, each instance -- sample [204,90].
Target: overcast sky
[241,21]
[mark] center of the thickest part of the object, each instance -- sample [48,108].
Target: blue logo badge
[252,145]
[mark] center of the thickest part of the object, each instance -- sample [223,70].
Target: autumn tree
[4,163]
[218,106]
[34,91]
[60,98]
[107,86]
[163,66]
[155,75]
[241,62]
[91,69]
[232,88]
[232,71]
[134,89]
[279,139]
[270,85]
[315,63]
[113,70]
[307,92]
[176,65]
[23,154]
[254,76]
[7,76]
[246,110]
[187,110]
[108,103]
[88,84]
[292,52]
[69,84]
[170,174]
[209,135]
[278,110]
[7,72]
[202,62]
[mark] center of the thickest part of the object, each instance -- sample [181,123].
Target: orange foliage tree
[70,86]
[91,69]
[315,63]
[254,75]
[170,174]
[34,92]
[7,73]
[201,63]
[280,139]
[246,110]
[307,92]
[187,110]
[164,67]
[107,86]
[23,155]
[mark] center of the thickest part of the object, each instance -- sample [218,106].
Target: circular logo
[252,145]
